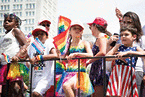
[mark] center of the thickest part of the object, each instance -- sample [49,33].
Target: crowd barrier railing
[104,71]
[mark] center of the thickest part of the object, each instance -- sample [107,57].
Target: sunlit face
[93,29]
[41,35]
[46,25]
[127,21]
[127,38]
[9,23]
[76,31]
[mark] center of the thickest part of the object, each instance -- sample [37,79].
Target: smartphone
[114,42]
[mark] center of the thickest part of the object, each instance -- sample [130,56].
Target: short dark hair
[131,29]
[17,19]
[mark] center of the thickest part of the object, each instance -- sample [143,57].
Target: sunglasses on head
[10,15]
[48,25]
[13,16]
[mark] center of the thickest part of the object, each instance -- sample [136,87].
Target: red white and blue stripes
[120,82]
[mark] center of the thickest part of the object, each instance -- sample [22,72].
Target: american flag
[120,82]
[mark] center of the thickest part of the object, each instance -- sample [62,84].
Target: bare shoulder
[17,31]
[85,42]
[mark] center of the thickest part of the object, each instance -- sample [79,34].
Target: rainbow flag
[61,41]
[60,67]
[29,35]
[6,57]
[63,24]
[39,47]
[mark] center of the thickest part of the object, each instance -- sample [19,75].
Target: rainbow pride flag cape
[39,47]
[6,57]
[61,41]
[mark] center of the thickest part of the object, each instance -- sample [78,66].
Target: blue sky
[87,10]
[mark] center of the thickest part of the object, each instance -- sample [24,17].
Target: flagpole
[54,76]
[31,80]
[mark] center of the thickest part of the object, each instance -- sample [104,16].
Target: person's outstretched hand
[118,14]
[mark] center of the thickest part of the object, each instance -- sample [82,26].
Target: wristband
[21,58]
[120,20]
[39,58]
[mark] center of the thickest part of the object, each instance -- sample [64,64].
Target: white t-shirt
[8,45]
[42,77]
[139,64]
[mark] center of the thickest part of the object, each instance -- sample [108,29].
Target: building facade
[30,12]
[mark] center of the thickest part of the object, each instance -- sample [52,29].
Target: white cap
[77,22]
[39,28]
[43,20]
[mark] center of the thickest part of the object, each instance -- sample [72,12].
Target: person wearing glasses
[45,23]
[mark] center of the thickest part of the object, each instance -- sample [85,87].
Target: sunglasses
[47,25]
[10,15]
[92,25]
[43,33]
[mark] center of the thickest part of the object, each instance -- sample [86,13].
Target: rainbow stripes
[29,35]
[106,36]
[39,58]
[6,57]
[38,68]
[61,41]
[60,67]
[39,47]
[63,24]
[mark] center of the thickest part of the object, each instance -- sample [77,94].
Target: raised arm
[112,52]
[19,35]
[119,16]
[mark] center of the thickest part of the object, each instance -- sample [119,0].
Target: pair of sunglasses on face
[42,33]
[47,25]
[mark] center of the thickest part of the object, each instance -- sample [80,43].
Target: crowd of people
[129,41]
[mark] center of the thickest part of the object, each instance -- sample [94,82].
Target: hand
[120,54]
[22,54]
[118,14]
[33,60]
[15,59]
[144,79]
[72,55]
[113,38]
[90,61]
[58,52]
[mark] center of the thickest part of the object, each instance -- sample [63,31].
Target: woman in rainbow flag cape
[68,83]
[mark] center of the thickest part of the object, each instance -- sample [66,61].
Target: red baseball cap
[99,21]
[43,20]
[39,28]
